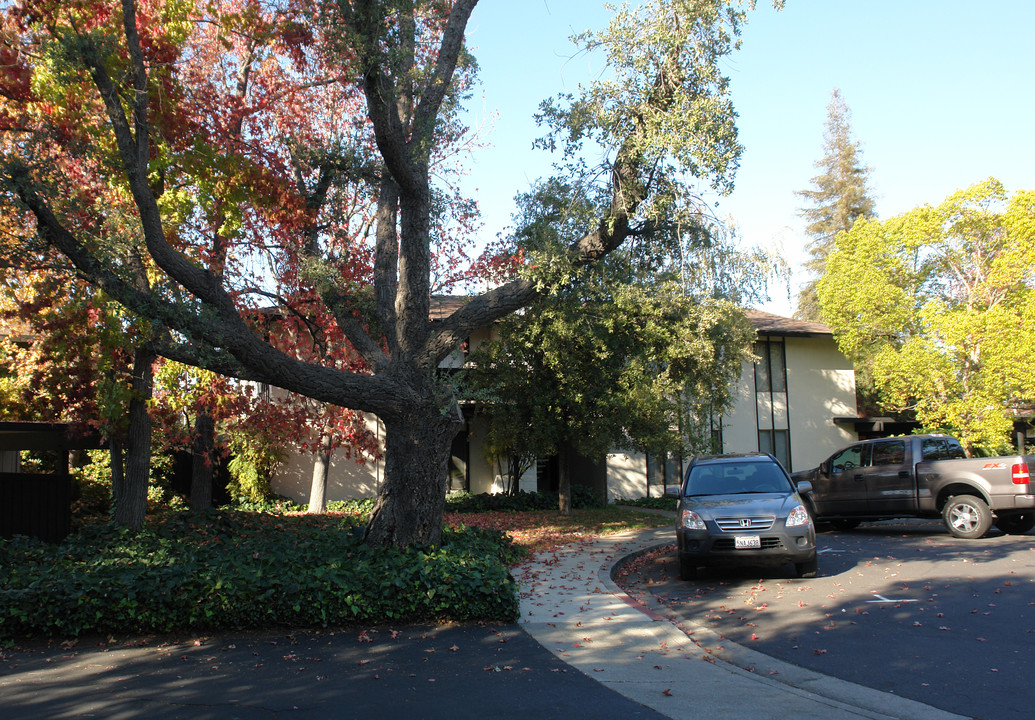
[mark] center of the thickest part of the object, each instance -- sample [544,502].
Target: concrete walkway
[571,606]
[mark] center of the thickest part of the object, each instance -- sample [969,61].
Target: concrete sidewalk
[571,606]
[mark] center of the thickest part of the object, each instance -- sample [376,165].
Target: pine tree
[839,196]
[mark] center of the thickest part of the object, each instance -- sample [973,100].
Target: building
[797,402]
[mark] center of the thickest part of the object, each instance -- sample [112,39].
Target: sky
[942,96]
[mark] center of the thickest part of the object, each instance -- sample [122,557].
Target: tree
[135,102]
[82,362]
[937,303]
[638,351]
[839,196]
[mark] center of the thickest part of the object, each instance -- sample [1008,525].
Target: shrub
[656,503]
[521,501]
[225,569]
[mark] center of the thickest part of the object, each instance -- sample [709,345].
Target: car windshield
[735,478]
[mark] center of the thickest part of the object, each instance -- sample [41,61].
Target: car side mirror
[671,491]
[804,487]
[824,467]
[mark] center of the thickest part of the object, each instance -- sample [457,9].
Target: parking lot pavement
[899,606]
[571,605]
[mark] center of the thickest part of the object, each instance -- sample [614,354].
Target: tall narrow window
[771,401]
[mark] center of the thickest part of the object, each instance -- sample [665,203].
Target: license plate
[747,541]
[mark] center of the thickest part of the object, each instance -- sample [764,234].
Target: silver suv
[743,510]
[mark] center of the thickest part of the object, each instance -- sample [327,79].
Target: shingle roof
[442,306]
[769,324]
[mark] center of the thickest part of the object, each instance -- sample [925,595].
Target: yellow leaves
[939,303]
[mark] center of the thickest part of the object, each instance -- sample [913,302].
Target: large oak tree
[192,158]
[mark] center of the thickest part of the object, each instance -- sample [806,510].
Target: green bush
[463,502]
[657,503]
[230,569]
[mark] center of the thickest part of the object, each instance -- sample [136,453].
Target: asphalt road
[428,672]
[898,606]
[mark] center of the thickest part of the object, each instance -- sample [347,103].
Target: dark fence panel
[36,505]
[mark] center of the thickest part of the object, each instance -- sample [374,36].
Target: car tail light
[1020,474]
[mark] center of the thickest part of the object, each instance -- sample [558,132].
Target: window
[775,442]
[946,448]
[934,449]
[771,368]
[662,472]
[849,458]
[771,400]
[889,453]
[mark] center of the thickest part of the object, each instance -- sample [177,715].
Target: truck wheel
[807,569]
[687,570]
[967,517]
[1016,524]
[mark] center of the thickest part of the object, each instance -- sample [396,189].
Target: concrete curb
[647,658]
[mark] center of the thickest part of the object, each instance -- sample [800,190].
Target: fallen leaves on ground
[547,529]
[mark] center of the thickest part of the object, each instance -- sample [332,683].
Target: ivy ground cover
[235,569]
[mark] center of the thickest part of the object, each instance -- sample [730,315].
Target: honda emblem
[745,522]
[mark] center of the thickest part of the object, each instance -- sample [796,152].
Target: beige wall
[820,386]
[346,478]
[626,476]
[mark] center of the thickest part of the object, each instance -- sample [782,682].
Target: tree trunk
[412,498]
[563,480]
[321,468]
[129,488]
[203,448]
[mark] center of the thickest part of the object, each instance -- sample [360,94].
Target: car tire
[807,569]
[687,570]
[967,517]
[1016,524]
[845,524]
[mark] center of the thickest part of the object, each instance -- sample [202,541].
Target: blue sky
[942,94]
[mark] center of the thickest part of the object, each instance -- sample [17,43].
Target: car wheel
[845,524]
[807,569]
[1016,524]
[967,517]
[687,570]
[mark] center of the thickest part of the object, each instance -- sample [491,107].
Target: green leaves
[937,303]
[236,570]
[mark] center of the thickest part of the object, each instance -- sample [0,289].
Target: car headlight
[798,516]
[691,520]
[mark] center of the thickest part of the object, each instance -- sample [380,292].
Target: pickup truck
[922,476]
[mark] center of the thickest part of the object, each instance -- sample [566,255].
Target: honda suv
[743,510]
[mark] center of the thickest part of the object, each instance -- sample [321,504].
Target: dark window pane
[762,367]
[765,441]
[889,453]
[781,447]
[934,449]
[777,367]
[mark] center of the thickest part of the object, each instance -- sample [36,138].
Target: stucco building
[797,402]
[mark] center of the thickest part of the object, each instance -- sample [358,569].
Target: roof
[442,306]
[769,324]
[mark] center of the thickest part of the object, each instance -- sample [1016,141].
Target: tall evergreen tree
[839,196]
